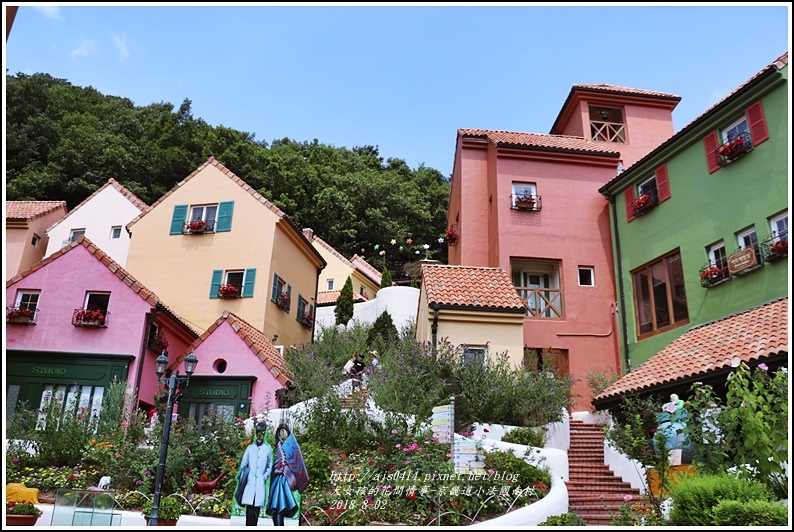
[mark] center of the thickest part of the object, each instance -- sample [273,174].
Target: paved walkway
[134,519]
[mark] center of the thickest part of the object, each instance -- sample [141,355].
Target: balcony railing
[198,227]
[541,302]
[714,274]
[283,301]
[608,131]
[645,203]
[90,318]
[527,202]
[157,343]
[21,315]
[775,247]
[734,148]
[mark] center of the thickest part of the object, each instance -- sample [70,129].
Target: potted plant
[196,226]
[780,247]
[90,317]
[160,343]
[452,236]
[641,204]
[525,202]
[21,513]
[712,274]
[283,301]
[168,512]
[733,148]
[19,314]
[228,290]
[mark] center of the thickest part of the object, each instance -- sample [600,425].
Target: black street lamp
[173,382]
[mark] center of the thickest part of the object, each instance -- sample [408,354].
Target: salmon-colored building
[26,232]
[529,203]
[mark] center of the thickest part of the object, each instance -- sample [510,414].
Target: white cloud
[85,48]
[51,12]
[121,45]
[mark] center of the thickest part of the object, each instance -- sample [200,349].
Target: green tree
[382,331]
[344,303]
[385,278]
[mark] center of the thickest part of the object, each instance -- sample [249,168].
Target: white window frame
[91,298]
[591,271]
[735,129]
[524,189]
[329,285]
[75,233]
[648,187]
[718,255]
[747,238]
[226,280]
[200,212]
[35,240]
[779,225]
[115,232]
[28,299]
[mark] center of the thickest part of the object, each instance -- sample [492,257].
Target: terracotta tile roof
[254,339]
[539,141]
[774,66]
[141,206]
[603,87]
[134,285]
[30,210]
[750,335]
[470,286]
[329,297]
[367,269]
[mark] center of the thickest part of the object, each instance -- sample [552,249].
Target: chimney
[309,234]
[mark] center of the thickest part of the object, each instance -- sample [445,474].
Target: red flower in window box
[283,301]
[452,236]
[525,202]
[641,204]
[90,316]
[733,148]
[161,342]
[228,290]
[196,226]
[713,273]
[779,247]
[17,313]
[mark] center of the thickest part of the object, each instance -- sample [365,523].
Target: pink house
[529,203]
[77,320]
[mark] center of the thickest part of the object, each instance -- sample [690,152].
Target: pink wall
[225,344]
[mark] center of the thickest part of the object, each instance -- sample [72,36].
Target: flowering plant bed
[22,508]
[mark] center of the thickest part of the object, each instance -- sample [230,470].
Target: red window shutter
[662,183]
[757,121]
[629,195]
[710,143]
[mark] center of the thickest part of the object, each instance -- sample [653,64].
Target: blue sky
[400,77]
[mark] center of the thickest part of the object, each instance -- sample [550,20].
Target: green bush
[169,509]
[750,513]
[530,436]
[566,519]
[694,498]
[526,475]
[318,463]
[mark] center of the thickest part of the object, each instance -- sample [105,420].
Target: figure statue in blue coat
[254,472]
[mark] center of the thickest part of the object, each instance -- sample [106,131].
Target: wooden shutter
[217,279]
[710,144]
[628,195]
[225,210]
[757,122]
[662,183]
[248,283]
[274,292]
[178,219]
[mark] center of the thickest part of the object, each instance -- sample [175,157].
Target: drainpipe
[622,294]
[434,328]
[149,320]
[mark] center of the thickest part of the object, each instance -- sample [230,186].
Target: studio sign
[37,370]
[204,392]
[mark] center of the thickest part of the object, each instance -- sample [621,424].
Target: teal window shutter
[274,294]
[248,283]
[217,278]
[289,291]
[225,210]
[178,219]
[301,308]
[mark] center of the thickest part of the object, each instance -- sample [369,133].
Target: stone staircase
[594,492]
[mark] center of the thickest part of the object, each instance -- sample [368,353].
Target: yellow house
[213,244]
[474,308]
[366,279]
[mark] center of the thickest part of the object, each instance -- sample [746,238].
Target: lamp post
[173,397]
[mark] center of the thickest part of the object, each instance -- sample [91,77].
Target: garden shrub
[694,498]
[750,513]
[318,463]
[566,519]
[526,475]
[529,436]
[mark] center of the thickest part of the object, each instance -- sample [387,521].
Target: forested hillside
[63,142]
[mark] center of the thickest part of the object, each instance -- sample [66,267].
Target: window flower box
[159,343]
[776,247]
[642,204]
[307,320]
[713,275]
[195,226]
[228,291]
[734,148]
[90,318]
[19,315]
[525,203]
[283,301]
[452,235]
